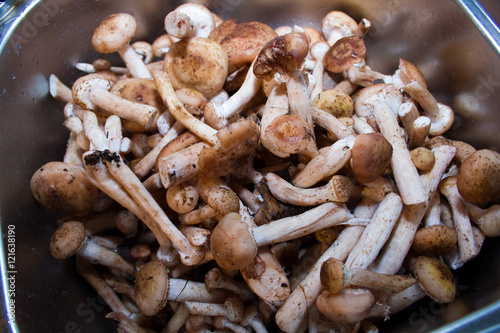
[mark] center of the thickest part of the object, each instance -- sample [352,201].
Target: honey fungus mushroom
[63,187]
[371,155]
[344,53]
[198,63]
[478,178]
[242,41]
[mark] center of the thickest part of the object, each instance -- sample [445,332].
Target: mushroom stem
[335,276]
[376,233]
[336,130]
[338,189]
[214,279]
[399,243]
[90,274]
[59,90]
[134,62]
[405,172]
[134,187]
[488,220]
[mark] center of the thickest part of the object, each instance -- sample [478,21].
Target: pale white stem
[59,90]
[94,133]
[89,68]
[392,256]
[376,233]
[147,163]
[335,128]
[177,320]
[189,291]
[433,214]
[113,132]
[361,126]
[405,172]
[326,163]
[134,62]
[408,113]
[100,255]
[419,133]
[73,154]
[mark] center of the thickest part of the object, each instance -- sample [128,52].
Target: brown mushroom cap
[151,288]
[114,32]
[287,135]
[223,200]
[371,154]
[198,63]
[332,275]
[435,240]
[242,41]
[140,91]
[283,54]
[478,178]
[348,306]
[63,187]
[409,73]
[344,53]
[335,102]
[435,278]
[67,239]
[423,158]
[238,142]
[232,243]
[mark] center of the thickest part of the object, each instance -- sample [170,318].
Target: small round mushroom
[198,63]
[335,102]
[182,198]
[478,178]
[348,306]
[435,278]
[344,53]
[423,158]
[70,238]
[435,240]
[151,288]
[64,188]
[113,34]
[371,154]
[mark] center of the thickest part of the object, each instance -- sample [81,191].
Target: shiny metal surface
[50,36]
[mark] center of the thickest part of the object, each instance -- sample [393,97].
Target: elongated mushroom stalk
[441,115]
[69,238]
[488,220]
[466,242]
[338,189]
[153,288]
[336,276]
[336,129]
[59,90]
[190,20]
[113,35]
[214,279]
[232,308]
[285,55]
[234,245]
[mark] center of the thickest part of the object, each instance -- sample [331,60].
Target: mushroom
[479,176]
[488,220]
[63,187]
[336,276]
[348,306]
[69,239]
[371,155]
[423,158]
[466,244]
[232,308]
[153,288]
[441,115]
[198,63]
[284,55]
[214,279]
[318,50]
[338,189]
[190,20]
[399,243]
[221,322]
[144,50]
[335,102]
[242,41]
[182,199]
[59,90]
[234,245]
[92,276]
[345,53]
[251,318]
[113,34]
[336,25]
[127,324]
[92,91]
[434,240]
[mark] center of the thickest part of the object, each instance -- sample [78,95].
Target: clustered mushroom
[235,177]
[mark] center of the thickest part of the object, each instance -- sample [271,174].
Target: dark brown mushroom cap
[435,240]
[237,145]
[232,243]
[67,239]
[242,41]
[198,63]
[435,278]
[283,54]
[344,53]
[151,288]
[332,275]
[371,154]
[478,179]
[64,188]
[114,32]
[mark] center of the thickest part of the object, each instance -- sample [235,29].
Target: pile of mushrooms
[235,177]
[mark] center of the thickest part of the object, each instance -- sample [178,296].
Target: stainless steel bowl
[44,37]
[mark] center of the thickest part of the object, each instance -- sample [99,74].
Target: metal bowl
[44,37]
